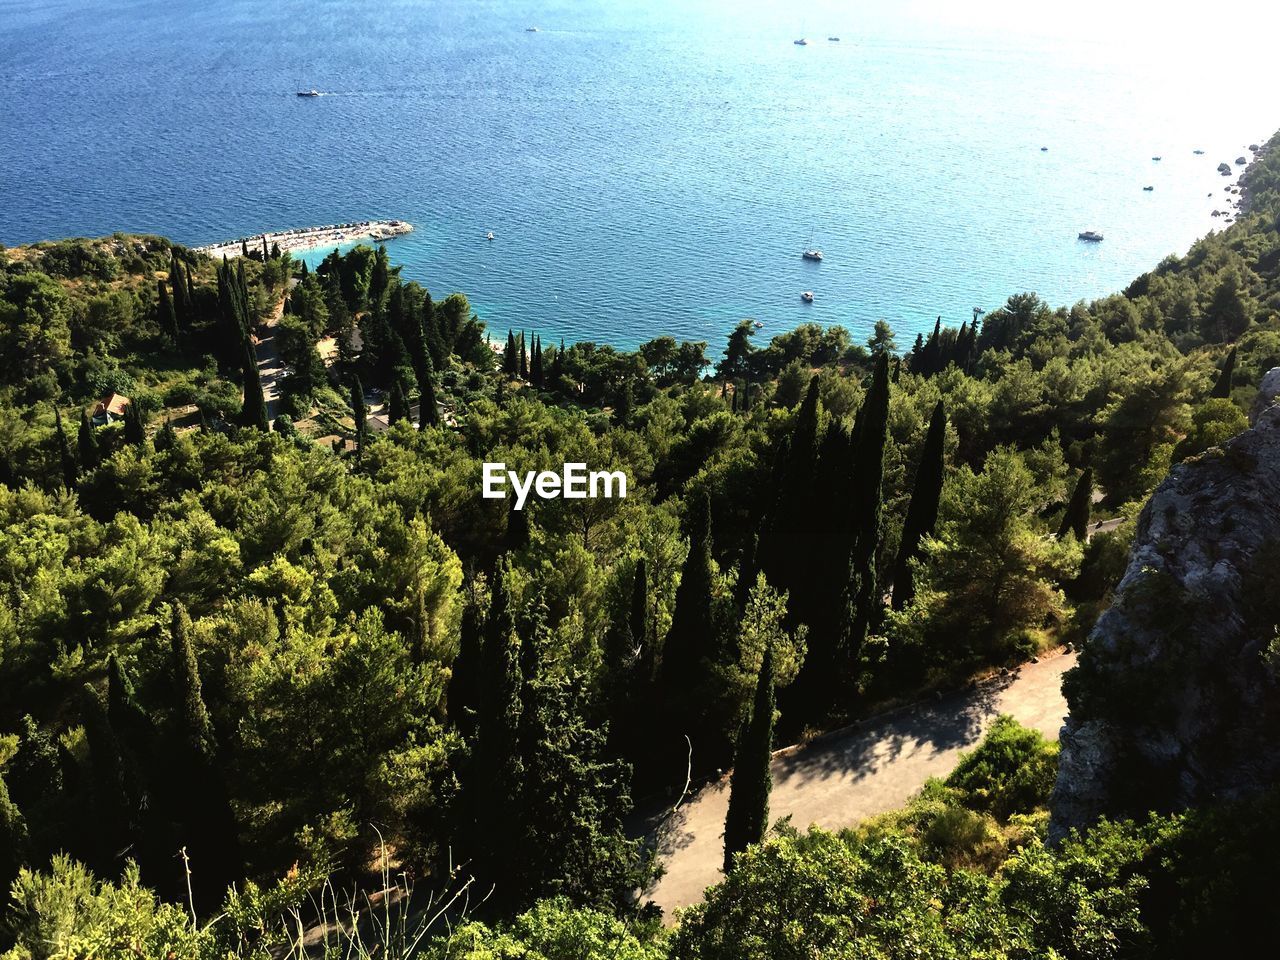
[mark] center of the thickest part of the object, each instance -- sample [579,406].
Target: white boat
[807,296]
[530,29]
[812,255]
[489,235]
[802,42]
[757,325]
[834,39]
[309,93]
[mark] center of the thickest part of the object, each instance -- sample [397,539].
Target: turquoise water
[647,167]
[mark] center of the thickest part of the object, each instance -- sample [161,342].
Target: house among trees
[110,409]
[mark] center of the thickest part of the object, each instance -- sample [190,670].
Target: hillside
[291,646]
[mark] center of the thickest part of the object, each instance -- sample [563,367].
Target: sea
[650,167]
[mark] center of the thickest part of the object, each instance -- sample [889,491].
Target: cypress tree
[194,726]
[70,472]
[181,294]
[165,437]
[275,253]
[166,315]
[254,413]
[428,413]
[638,615]
[516,536]
[873,432]
[113,788]
[399,408]
[135,430]
[244,248]
[535,362]
[557,364]
[190,303]
[496,770]
[209,830]
[1076,518]
[14,839]
[922,514]
[127,717]
[510,361]
[524,359]
[87,444]
[792,528]
[359,411]
[626,404]
[1222,386]
[465,678]
[751,781]
[689,651]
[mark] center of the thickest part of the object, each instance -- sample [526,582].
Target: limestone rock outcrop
[1176,697]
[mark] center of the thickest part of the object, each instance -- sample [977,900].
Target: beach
[311,238]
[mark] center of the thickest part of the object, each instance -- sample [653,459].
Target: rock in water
[1176,697]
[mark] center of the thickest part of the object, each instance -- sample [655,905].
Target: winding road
[844,777]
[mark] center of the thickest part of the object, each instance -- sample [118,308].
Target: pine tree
[922,514]
[1076,518]
[70,472]
[165,438]
[1222,386]
[87,444]
[359,412]
[748,816]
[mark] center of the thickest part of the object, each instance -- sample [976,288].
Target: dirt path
[848,776]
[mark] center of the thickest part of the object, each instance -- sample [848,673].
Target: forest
[263,642]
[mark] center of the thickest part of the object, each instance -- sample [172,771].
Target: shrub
[1011,771]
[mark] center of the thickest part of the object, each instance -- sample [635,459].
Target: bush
[1011,771]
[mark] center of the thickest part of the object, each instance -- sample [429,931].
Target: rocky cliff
[1176,697]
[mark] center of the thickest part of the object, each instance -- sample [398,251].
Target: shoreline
[311,238]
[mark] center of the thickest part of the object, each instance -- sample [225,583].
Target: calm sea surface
[647,166]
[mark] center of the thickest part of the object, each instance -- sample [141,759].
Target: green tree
[1076,518]
[87,444]
[1213,423]
[882,340]
[689,652]
[359,412]
[14,840]
[254,411]
[1222,386]
[496,772]
[870,440]
[748,816]
[70,471]
[922,514]
[166,315]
